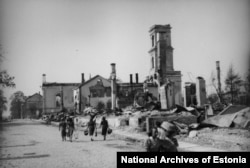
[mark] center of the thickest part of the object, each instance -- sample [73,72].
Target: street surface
[30,144]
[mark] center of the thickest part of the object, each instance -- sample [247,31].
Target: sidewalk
[140,139]
[183,146]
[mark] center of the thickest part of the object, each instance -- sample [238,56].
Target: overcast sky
[64,38]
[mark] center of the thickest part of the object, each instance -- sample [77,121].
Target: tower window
[153,40]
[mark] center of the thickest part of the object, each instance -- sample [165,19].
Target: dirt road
[26,143]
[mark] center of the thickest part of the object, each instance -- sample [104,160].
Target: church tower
[161,62]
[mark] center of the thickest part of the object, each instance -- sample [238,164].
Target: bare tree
[232,82]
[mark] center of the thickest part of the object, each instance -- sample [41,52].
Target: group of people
[67,127]
[161,138]
[92,127]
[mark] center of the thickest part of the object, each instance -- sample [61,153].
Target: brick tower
[162,64]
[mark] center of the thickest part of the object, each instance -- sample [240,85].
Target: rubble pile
[231,118]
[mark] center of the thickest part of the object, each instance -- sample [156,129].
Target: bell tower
[161,52]
[161,60]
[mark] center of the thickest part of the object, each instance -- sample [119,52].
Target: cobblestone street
[26,143]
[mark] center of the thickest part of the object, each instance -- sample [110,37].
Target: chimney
[136,78]
[83,80]
[113,86]
[131,78]
[44,78]
[218,75]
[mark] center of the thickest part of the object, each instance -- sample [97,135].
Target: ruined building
[195,93]
[162,67]
[57,96]
[163,83]
[94,92]
[129,93]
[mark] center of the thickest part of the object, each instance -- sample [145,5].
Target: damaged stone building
[96,90]
[163,83]
[195,93]
[57,96]
[162,71]
[109,92]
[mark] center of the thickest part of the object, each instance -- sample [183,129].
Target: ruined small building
[110,92]
[33,106]
[58,96]
[189,94]
[125,94]
[162,67]
[195,93]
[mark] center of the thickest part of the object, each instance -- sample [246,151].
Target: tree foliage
[3,103]
[5,81]
[17,102]
[213,98]
[232,82]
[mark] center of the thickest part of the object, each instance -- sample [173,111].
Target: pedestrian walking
[104,124]
[62,128]
[71,127]
[92,126]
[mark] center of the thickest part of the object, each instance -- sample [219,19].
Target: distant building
[58,96]
[95,90]
[33,106]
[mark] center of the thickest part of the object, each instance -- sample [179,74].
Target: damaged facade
[58,96]
[110,92]
[163,83]
[195,93]
[162,67]
[91,92]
